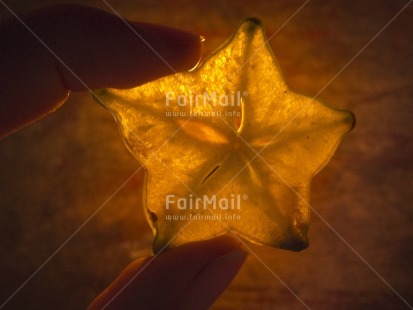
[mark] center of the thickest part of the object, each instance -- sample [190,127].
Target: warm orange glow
[229,129]
[202,131]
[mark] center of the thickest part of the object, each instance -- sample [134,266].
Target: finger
[77,48]
[191,276]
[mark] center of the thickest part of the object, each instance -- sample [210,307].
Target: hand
[76,49]
[81,49]
[191,276]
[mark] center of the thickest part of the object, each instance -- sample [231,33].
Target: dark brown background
[57,173]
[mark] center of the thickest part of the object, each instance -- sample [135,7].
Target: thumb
[191,276]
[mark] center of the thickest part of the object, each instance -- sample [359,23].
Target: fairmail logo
[233,99]
[233,202]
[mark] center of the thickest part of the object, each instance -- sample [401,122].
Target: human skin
[76,48]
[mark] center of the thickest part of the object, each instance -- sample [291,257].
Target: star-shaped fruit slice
[228,146]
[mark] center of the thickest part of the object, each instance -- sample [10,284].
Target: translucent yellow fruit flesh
[228,147]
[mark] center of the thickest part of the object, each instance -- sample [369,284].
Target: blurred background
[67,169]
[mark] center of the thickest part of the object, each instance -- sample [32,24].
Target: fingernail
[212,280]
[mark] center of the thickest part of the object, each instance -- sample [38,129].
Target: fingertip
[225,256]
[214,278]
[153,51]
[112,51]
[180,49]
[211,248]
[182,276]
[77,48]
